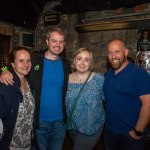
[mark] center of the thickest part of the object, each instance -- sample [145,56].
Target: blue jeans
[124,141]
[51,135]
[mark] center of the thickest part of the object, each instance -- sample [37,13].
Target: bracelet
[4,68]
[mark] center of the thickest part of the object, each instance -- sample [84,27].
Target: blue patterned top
[89,113]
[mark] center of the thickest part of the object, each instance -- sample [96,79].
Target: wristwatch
[138,133]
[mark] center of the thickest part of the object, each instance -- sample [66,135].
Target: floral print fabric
[89,113]
[22,133]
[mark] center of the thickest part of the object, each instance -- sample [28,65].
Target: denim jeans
[115,141]
[51,135]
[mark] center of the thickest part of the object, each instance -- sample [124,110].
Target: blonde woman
[88,116]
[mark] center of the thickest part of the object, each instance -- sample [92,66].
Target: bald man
[127,94]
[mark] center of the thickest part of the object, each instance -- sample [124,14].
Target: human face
[56,43]
[22,63]
[82,62]
[117,55]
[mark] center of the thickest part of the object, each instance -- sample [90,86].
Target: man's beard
[117,65]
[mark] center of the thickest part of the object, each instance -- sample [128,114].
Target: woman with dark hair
[17,103]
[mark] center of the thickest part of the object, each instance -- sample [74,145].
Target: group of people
[36,100]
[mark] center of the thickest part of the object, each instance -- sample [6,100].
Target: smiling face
[22,63]
[56,43]
[117,54]
[83,61]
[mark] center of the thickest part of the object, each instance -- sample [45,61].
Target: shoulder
[139,75]
[38,55]
[108,72]
[72,77]
[99,77]
[66,66]
[64,60]
[138,71]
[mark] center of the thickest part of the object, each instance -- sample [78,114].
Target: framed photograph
[143,40]
[143,49]
[27,40]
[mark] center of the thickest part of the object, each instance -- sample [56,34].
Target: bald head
[117,42]
[117,54]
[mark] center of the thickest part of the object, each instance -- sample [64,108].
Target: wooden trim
[114,25]
[6,29]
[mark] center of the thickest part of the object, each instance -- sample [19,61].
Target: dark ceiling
[25,13]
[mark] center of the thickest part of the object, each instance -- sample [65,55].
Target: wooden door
[4,49]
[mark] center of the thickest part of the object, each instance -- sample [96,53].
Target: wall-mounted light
[51,19]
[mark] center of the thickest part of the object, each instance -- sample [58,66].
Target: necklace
[81,79]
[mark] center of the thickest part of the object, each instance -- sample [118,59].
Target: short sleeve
[142,81]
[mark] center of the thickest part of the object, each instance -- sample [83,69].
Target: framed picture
[27,40]
[143,49]
[143,40]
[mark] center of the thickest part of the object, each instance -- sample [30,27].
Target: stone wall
[95,40]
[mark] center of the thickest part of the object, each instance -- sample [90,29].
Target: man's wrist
[138,133]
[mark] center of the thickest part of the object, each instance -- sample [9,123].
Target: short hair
[78,51]
[12,54]
[58,30]
[118,39]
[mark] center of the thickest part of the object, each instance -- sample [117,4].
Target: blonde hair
[78,51]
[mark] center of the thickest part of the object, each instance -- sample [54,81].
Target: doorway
[4,49]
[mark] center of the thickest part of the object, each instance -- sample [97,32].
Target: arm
[5,100]
[144,116]
[7,78]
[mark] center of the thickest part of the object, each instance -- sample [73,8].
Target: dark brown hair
[12,54]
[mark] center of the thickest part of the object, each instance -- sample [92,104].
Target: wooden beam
[114,25]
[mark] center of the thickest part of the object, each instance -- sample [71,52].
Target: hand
[6,78]
[134,136]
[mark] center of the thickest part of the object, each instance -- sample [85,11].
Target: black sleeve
[5,100]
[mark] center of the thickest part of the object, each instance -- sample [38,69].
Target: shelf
[114,25]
